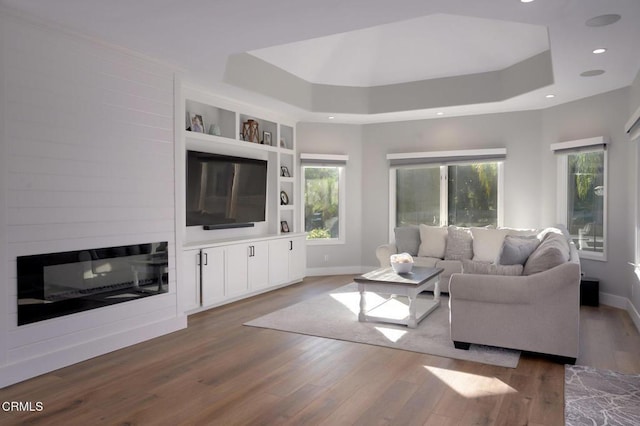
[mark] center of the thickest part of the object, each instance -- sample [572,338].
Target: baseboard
[621,303]
[28,368]
[633,313]
[614,301]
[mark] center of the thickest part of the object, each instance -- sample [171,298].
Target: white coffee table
[386,281]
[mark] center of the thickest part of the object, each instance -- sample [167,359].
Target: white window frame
[562,189]
[444,190]
[342,216]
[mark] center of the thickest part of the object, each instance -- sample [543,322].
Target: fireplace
[56,284]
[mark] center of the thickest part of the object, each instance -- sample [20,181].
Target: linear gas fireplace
[56,284]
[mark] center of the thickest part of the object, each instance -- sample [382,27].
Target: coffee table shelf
[410,285]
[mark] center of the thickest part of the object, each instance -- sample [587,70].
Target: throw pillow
[433,241]
[408,239]
[553,251]
[487,243]
[475,267]
[516,250]
[459,244]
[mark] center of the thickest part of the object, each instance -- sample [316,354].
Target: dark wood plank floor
[220,372]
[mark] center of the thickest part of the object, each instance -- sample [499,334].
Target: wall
[518,132]
[634,104]
[338,139]
[602,115]
[88,152]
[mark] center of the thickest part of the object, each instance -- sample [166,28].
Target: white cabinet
[287,259]
[189,289]
[258,265]
[213,275]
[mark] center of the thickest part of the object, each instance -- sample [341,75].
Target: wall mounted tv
[224,191]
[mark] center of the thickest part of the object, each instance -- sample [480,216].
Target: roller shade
[589,144]
[448,157]
[324,158]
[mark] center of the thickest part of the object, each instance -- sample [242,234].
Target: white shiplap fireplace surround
[87,161]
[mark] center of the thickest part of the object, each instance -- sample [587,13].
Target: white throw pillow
[487,243]
[433,241]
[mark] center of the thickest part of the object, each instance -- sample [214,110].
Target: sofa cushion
[425,262]
[433,241]
[487,243]
[516,250]
[449,266]
[459,244]
[553,251]
[408,239]
[484,268]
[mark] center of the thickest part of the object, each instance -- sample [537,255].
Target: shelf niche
[212,116]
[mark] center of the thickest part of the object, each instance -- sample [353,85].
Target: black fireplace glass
[56,284]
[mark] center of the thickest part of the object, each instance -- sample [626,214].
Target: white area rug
[600,397]
[335,315]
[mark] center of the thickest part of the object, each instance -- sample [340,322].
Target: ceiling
[370,48]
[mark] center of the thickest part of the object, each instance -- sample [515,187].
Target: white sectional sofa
[509,288]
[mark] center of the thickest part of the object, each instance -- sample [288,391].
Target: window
[459,194]
[323,187]
[582,199]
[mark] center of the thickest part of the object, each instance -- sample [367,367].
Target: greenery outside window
[457,194]
[582,200]
[323,187]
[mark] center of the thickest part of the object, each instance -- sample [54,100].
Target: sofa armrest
[384,252]
[525,289]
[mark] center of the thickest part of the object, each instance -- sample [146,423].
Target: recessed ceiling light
[526,1]
[550,95]
[599,50]
[602,20]
[591,73]
[331,117]
[439,113]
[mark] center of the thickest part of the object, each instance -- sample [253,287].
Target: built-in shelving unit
[222,265]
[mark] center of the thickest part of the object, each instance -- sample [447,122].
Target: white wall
[602,115]
[88,162]
[338,139]
[518,132]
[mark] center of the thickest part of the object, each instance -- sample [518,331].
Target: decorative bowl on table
[401,263]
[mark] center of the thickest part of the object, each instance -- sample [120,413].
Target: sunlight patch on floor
[352,300]
[471,385]
[392,334]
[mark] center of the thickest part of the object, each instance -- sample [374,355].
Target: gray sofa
[539,312]
[509,288]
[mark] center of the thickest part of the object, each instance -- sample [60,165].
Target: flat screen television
[225,191]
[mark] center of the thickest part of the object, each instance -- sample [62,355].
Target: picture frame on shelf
[266,138]
[284,226]
[197,123]
[284,171]
[284,198]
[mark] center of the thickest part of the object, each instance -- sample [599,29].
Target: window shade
[589,144]
[448,157]
[324,158]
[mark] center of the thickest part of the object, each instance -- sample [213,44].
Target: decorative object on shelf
[284,171]
[250,131]
[197,124]
[284,226]
[214,130]
[266,138]
[284,198]
[283,143]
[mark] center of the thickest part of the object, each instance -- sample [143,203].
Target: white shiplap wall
[88,162]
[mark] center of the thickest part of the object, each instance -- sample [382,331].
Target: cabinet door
[258,267]
[213,266]
[237,270]
[297,258]
[189,288]
[278,261]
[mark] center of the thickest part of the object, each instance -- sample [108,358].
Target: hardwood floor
[218,371]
